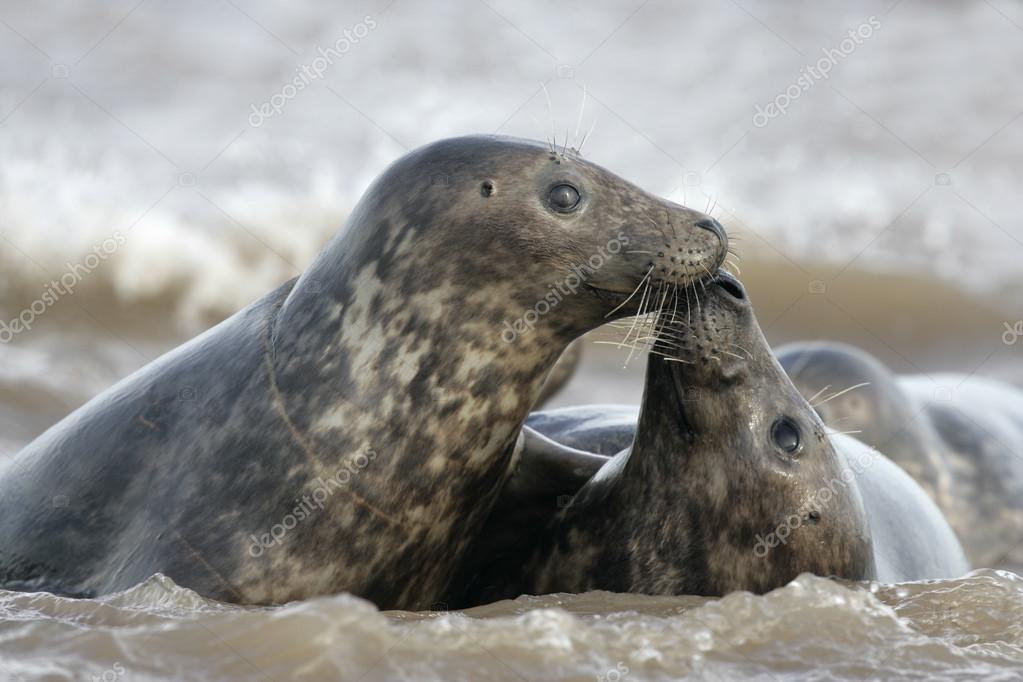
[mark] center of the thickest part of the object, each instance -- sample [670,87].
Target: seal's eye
[785,434]
[564,198]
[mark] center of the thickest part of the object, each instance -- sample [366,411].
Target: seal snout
[694,247]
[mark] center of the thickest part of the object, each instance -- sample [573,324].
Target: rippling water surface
[893,183]
[970,628]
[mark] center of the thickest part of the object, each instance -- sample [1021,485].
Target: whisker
[550,113]
[745,350]
[620,305]
[674,296]
[667,219]
[586,137]
[642,305]
[841,393]
[817,394]
[689,307]
[579,120]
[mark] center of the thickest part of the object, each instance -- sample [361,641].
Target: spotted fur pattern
[383,368]
[683,510]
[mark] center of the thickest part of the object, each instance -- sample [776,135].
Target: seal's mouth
[612,298]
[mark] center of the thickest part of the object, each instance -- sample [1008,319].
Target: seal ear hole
[487,189]
[786,436]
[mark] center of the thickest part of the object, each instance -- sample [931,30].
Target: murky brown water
[970,628]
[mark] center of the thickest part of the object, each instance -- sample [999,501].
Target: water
[814,628]
[890,187]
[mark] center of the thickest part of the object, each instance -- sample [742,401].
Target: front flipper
[546,476]
[598,429]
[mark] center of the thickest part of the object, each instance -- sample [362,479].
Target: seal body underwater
[960,437]
[731,483]
[351,430]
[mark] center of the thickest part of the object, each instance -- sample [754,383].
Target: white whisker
[841,393]
[817,394]
[579,120]
[586,136]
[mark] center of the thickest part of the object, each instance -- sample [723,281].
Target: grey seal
[351,430]
[960,437]
[731,482]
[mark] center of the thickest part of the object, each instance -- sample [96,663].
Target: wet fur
[389,343]
[682,510]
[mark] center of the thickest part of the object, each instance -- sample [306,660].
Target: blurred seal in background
[960,437]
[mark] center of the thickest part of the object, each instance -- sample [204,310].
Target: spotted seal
[731,483]
[960,437]
[351,430]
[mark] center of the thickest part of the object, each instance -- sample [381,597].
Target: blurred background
[159,161]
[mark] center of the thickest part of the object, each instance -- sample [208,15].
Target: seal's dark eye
[785,435]
[564,198]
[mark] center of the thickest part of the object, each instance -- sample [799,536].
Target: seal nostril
[487,188]
[715,227]
[733,288]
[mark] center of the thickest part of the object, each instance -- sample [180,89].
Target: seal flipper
[547,469]
[599,429]
[546,475]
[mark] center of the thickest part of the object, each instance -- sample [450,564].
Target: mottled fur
[683,510]
[390,344]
